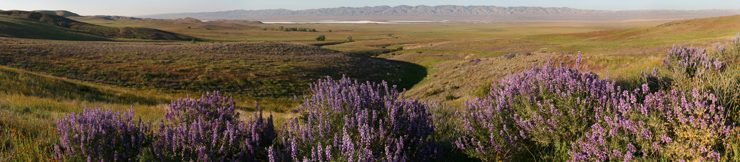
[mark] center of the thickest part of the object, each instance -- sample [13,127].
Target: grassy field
[447,63]
[262,69]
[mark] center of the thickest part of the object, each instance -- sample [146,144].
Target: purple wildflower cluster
[717,73]
[208,129]
[548,106]
[693,62]
[98,135]
[211,106]
[549,112]
[203,129]
[673,125]
[345,120]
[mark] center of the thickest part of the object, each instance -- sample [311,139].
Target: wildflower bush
[716,75]
[345,120]
[696,68]
[101,135]
[673,125]
[208,129]
[202,129]
[559,113]
[536,113]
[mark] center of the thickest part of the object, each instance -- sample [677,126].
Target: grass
[25,83]
[447,63]
[269,70]
[11,27]
[28,123]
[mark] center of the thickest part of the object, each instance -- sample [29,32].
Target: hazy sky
[144,7]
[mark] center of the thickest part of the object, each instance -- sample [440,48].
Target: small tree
[321,38]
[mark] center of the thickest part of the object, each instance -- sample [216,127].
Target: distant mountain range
[446,12]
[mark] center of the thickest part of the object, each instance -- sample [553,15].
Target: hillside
[446,12]
[62,13]
[265,69]
[725,22]
[14,81]
[189,23]
[692,29]
[25,24]
[19,28]
[610,52]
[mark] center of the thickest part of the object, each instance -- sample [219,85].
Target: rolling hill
[19,28]
[258,69]
[612,53]
[170,23]
[713,24]
[446,12]
[63,13]
[691,29]
[39,25]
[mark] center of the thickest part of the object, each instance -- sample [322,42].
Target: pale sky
[145,7]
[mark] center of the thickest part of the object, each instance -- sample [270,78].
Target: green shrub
[321,38]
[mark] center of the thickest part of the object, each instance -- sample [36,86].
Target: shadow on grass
[409,73]
[655,83]
[371,68]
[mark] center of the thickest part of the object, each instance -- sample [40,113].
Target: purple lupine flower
[522,110]
[271,154]
[692,62]
[101,135]
[679,113]
[208,129]
[533,105]
[579,59]
[367,114]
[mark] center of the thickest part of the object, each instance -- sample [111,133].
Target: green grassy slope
[24,24]
[12,27]
[260,69]
[15,81]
